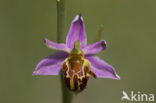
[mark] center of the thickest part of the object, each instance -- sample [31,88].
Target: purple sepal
[51,65]
[76,32]
[101,68]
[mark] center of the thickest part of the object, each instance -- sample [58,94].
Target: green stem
[66,95]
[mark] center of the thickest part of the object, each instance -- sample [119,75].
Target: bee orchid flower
[75,59]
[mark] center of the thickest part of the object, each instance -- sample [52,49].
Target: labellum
[77,69]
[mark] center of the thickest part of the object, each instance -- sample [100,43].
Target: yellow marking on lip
[79,85]
[71,84]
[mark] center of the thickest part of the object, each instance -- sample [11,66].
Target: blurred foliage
[129,29]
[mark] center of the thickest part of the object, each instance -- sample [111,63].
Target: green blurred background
[129,27]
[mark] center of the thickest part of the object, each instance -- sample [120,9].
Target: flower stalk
[66,95]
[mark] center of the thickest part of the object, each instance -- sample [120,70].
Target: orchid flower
[75,59]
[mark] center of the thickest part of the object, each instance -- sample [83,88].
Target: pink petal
[95,47]
[57,46]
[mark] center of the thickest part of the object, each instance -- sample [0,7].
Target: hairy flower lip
[49,65]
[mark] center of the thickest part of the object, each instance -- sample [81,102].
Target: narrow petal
[101,68]
[76,32]
[51,65]
[95,48]
[57,46]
